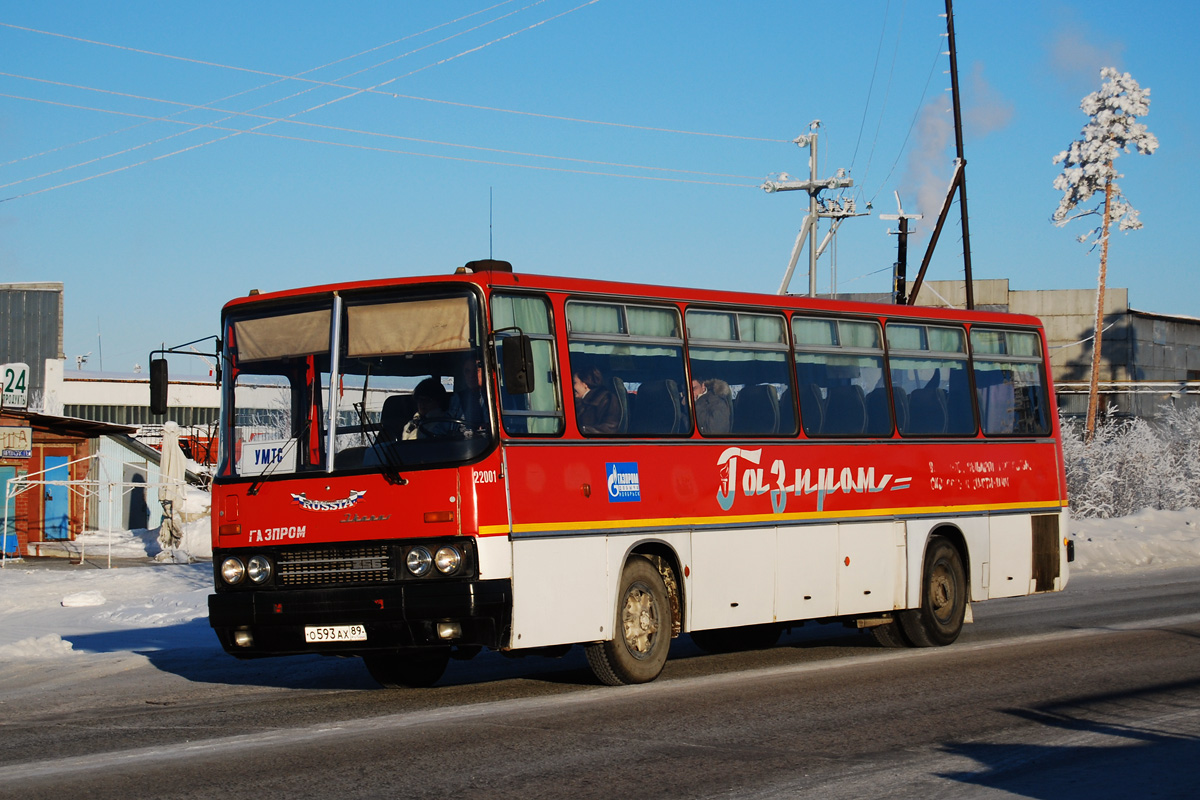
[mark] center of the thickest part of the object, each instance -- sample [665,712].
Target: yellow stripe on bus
[620,524]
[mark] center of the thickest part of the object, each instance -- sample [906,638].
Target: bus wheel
[412,667]
[638,649]
[939,620]
[728,640]
[889,635]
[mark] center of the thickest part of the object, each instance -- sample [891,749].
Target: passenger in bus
[431,420]
[714,406]
[466,403]
[597,409]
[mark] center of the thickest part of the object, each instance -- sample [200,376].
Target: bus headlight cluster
[232,571]
[258,569]
[447,560]
[418,561]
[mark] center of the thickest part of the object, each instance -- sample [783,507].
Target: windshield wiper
[270,470]
[384,451]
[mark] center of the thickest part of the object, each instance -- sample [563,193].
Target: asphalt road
[1092,693]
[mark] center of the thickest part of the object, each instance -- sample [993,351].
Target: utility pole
[900,267]
[958,183]
[837,210]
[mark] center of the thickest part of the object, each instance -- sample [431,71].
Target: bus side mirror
[158,386]
[517,355]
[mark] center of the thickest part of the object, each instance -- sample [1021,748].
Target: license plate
[335,633]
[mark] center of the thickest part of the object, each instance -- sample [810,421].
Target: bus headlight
[447,560]
[258,569]
[232,571]
[418,561]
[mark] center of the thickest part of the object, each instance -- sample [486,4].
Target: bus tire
[747,637]
[638,650]
[889,635]
[414,668]
[939,620]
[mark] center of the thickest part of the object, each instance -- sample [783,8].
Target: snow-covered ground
[68,612]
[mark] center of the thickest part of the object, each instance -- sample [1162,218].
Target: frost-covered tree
[1134,463]
[1088,169]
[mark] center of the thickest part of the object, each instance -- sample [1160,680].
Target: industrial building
[31,327]
[69,460]
[1147,359]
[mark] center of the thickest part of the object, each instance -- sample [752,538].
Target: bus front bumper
[425,614]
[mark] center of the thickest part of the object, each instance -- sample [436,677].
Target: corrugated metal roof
[31,326]
[66,425]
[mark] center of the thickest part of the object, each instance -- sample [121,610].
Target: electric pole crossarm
[900,268]
[813,186]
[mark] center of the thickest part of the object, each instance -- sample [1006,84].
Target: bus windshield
[405,378]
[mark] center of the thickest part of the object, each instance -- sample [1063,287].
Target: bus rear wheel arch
[642,636]
[939,619]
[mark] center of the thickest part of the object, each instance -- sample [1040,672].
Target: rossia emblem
[327,505]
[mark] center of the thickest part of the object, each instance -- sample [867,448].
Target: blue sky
[699,100]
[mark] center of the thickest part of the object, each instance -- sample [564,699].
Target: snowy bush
[1133,464]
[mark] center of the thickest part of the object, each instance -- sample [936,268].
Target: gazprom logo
[623,483]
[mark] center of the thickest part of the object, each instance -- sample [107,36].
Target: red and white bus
[416,469]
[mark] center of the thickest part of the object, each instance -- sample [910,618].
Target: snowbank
[1149,538]
[58,613]
[196,544]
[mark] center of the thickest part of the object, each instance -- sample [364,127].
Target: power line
[912,124]
[375,89]
[353,91]
[231,114]
[272,83]
[871,86]
[586,121]
[886,95]
[320,126]
[237,131]
[299,77]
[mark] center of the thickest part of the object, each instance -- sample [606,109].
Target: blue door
[8,539]
[58,503]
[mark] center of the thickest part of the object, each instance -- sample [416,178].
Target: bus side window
[741,381]
[839,363]
[1010,383]
[627,369]
[928,364]
[536,413]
